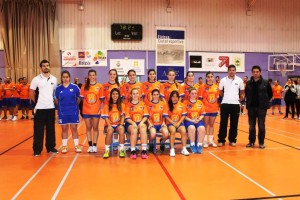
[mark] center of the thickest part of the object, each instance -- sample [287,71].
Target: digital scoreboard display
[126,32]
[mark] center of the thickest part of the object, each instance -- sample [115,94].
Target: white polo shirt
[46,91]
[231,89]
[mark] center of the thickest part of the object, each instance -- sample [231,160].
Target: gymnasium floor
[218,173]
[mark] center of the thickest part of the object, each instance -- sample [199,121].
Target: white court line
[244,175]
[66,175]
[38,171]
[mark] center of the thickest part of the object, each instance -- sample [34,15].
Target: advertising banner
[84,58]
[124,65]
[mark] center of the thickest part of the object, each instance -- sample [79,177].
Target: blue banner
[162,72]
[170,34]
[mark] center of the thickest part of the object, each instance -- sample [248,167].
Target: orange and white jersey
[91,99]
[186,89]
[178,111]
[8,93]
[127,87]
[24,91]
[1,91]
[107,87]
[114,115]
[147,88]
[277,91]
[209,95]
[194,110]
[136,112]
[166,89]
[157,111]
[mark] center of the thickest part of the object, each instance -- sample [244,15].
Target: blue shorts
[127,125]
[211,114]
[157,128]
[113,126]
[220,100]
[182,124]
[276,102]
[187,124]
[68,119]
[25,103]
[1,103]
[4,102]
[18,100]
[85,116]
[11,102]
[32,104]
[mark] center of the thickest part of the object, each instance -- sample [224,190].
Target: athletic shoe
[199,149]
[90,149]
[193,149]
[162,146]
[78,149]
[151,148]
[233,144]
[213,144]
[37,154]
[95,149]
[54,151]
[23,117]
[185,152]
[32,117]
[144,154]
[205,144]
[122,153]
[220,144]
[262,146]
[64,149]
[0,118]
[14,118]
[133,154]
[10,117]
[106,154]
[250,145]
[172,152]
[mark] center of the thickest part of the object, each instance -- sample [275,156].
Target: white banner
[84,58]
[216,62]
[124,65]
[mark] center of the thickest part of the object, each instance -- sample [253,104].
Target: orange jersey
[107,87]
[9,93]
[198,86]
[114,116]
[209,95]
[147,88]
[24,91]
[91,99]
[1,91]
[194,110]
[157,111]
[166,89]
[127,87]
[178,111]
[17,91]
[186,89]
[136,112]
[277,91]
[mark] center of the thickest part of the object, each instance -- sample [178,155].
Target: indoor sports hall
[182,35]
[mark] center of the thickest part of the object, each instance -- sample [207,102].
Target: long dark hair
[117,77]
[87,85]
[111,101]
[151,70]
[62,73]
[170,103]
[208,73]
[172,70]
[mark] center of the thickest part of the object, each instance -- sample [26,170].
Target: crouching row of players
[156,116]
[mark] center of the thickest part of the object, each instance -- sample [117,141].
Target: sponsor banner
[84,58]
[170,46]
[124,65]
[163,70]
[216,62]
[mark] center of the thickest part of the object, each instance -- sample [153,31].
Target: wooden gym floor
[218,173]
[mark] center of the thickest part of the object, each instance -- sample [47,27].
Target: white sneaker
[14,118]
[213,144]
[172,152]
[95,149]
[64,149]
[78,149]
[90,149]
[205,145]
[185,152]
[10,117]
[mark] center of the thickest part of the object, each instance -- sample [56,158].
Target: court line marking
[38,171]
[66,175]
[180,194]
[15,146]
[242,174]
[275,197]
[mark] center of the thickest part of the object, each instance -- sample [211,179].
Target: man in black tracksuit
[258,93]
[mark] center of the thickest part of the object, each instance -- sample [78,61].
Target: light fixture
[80,6]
